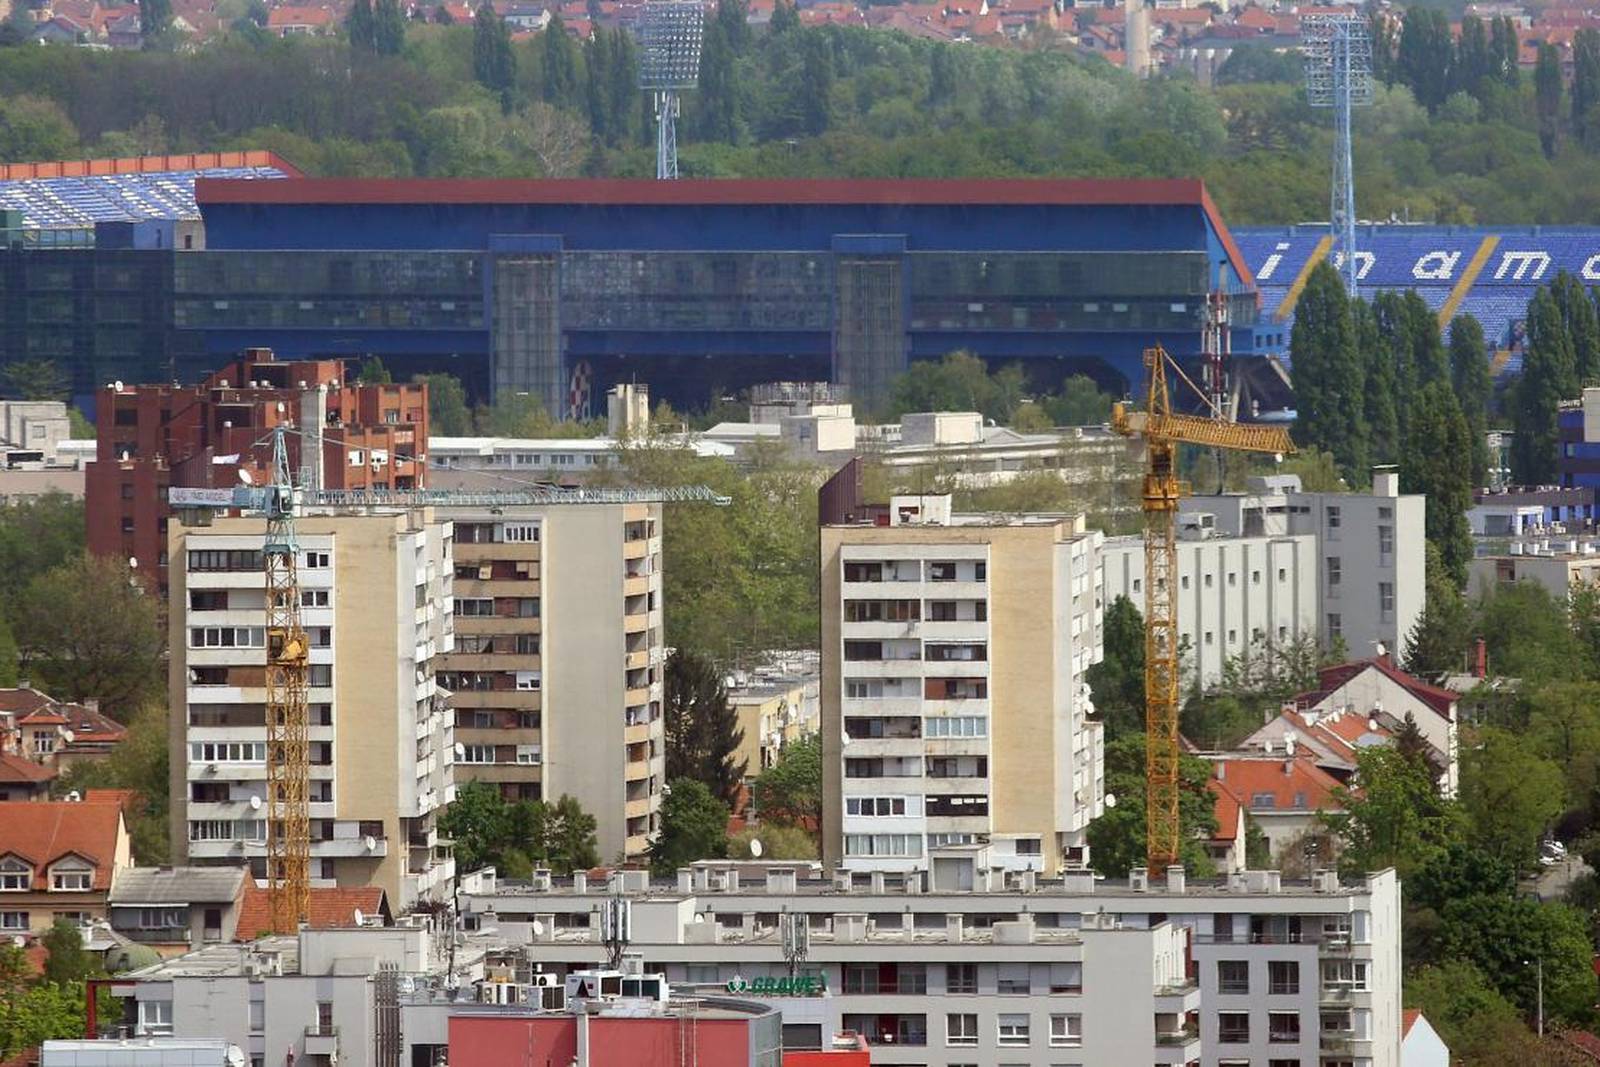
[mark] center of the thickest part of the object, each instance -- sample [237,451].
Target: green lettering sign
[801,985]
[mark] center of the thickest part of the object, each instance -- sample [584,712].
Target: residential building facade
[377,605]
[1253,969]
[58,860]
[346,436]
[779,701]
[176,909]
[556,666]
[955,710]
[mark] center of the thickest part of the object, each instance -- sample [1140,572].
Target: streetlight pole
[1538,963]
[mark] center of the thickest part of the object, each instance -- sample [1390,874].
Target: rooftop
[43,832]
[177,885]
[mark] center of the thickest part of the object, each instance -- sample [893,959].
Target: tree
[35,536]
[494,63]
[778,842]
[1080,401]
[1527,633]
[517,836]
[1117,839]
[68,962]
[702,727]
[155,20]
[1510,795]
[1549,375]
[1580,325]
[1565,727]
[790,790]
[447,405]
[1380,396]
[1480,1026]
[1547,96]
[959,382]
[1502,935]
[476,820]
[1392,815]
[361,28]
[1472,57]
[388,28]
[1585,77]
[373,372]
[817,77]
[39,1013]
[1423,58]
[560,63]
[139,765]
[1328,373]
[1437,463]
[34,379]
[1442,632]
[694,826]
[1469,377]
[1117,681]
[786,18]
[93,633]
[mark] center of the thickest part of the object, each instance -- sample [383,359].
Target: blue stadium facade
[698,287]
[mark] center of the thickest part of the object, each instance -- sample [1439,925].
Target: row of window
[1013,1030]
[18,920]
[911,571]
[912,611]
[228,830]
[244,559]
[526,755]
[516,607]
[17,877]
[228,752]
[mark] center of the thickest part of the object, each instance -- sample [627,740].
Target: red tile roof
[20,700]
[280,17]
[1227,811]
[43,832]
[1408,1020]
[331,907]
[1584,1042]
[86,723]
[17,770]
[1331,678]
[1293,784]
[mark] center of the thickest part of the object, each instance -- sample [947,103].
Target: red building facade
[152,437]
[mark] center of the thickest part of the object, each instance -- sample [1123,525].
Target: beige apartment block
[377,604]
[955,709]
[556,669]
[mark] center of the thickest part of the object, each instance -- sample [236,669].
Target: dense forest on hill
[1455,135]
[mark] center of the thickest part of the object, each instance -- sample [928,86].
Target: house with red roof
[53,733]
[58,859]
[290,20]
[331,907]
[1420,1043]
[1226,847]
[23,779]
[1283,795]
[1383,695]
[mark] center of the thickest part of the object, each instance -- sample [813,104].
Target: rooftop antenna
[671,32]
[616,927]
[1338,53]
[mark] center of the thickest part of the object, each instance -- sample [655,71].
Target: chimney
[1480,663]
[580,881]
[1385,481]
[1222,769]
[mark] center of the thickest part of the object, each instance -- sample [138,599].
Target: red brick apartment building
[155,436]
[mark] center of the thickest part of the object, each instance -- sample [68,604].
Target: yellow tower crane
[1163,430]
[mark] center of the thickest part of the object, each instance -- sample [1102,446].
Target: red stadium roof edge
[978,192]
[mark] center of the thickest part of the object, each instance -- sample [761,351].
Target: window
[941,572]
[1014,979]
[875,806]
[477,754]
[1335,625]
[1386,540]
[13,920]
[1014,1031]
[956,726]
[317,560]
[528,755]
[1344,974]
[883,844]
[212,559]
[961,978]
[520,532]
[1283,1027]
[1333,522]
[155,1017]
[313,598]
[1386,600]
[1066,977]
[1066,1031]
[228,752]
[258,1016]
[1233,977]
[1335,569]
[1233,1027]
[163,918]
[227,637]
[960,1031]
[1283,977]
[980,572]
[71,881]
[527,681]
[1029,846]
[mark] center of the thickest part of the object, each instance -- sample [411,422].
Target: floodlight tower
[1338,53]
[671,30]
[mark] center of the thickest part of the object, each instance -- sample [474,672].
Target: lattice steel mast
[671,32]
[1338,54]
[288,758]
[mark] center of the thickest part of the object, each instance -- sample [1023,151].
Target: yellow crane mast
[1163,430]
[288,755]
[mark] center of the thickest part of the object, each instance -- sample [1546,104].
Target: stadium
[155,268]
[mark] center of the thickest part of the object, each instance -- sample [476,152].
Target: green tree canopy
[1329,374]
[1510,795]
[1437,463]
[1117,839]
[517,836]
[790,790]
[1117,681]
[694,826]
[1391,816]
[701,725]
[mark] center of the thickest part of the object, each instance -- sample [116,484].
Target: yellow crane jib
[1163,430]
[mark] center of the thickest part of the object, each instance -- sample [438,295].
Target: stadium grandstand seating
[1488,273]
[59,203]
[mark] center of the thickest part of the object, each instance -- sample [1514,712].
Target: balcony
[1178,999]
[322,1041]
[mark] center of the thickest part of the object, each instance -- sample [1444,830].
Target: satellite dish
[1111,800]
[461,750]
[360,918]
[234,1057]
[755,848]
[255,803]
[371,843]
[133,563]
[698,920]
[281,408]
[538,928]
[244,476]
[117,385]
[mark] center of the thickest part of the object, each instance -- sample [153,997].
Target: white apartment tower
[954,701]
[377,604]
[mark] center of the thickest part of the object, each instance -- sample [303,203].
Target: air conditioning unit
[545,980]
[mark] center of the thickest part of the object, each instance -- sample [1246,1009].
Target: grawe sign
[800,985]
